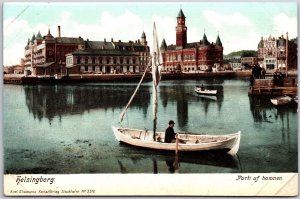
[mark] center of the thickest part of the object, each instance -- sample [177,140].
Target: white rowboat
[188,142]
[282,100]
[205,91]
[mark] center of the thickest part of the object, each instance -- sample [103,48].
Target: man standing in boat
[170,134]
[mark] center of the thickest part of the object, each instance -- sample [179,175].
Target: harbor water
[63,129]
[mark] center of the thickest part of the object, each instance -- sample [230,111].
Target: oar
[177,139]
[176,163]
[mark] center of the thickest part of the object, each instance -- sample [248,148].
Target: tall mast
[155,76]
[286,54]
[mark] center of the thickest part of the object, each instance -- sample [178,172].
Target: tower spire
[181,30]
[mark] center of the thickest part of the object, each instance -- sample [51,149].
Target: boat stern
[236,146]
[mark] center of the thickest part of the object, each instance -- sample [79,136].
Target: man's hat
[171,122]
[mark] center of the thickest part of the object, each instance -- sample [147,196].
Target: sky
[240,25]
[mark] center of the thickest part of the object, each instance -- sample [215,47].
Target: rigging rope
[17,16]
[138,86]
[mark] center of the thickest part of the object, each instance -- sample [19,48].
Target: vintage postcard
[150,99]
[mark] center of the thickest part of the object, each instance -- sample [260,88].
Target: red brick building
[59,56]
[190,57]
[46,56]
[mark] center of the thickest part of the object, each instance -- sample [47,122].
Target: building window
[86,60]
[78,60]
[179,57]
[93,60]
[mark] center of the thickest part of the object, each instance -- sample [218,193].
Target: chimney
[58,28]
[112,40]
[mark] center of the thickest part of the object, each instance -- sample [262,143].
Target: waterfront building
[250,61]
[60,56]
[8,70]
[277,53]
[190,57]
[109,57]
[235,64]
[15,69]
[45,56]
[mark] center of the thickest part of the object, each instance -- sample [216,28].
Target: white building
[271,52]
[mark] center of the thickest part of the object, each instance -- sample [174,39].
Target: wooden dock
[267,87]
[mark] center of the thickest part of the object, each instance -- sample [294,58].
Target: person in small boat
[170,134]
[202,87]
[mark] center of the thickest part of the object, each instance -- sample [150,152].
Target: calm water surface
[67,128]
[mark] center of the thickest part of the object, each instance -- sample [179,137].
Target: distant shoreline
[21,79]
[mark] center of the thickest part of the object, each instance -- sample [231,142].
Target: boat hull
[205,91]
[188,142]
[283,100]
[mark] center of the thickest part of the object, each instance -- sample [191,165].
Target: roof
[99,45]
[281,41]
[192,45]
[69,40]
[104,52]
[261,43]
[163,45]
[39,36]
[143,35]
[180,14]
[187,46]
[118,46]
[45,65]
[218,42]
[33,38]
[204,40]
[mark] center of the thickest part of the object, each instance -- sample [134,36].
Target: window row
[110,69]
[107,60]
[179,58]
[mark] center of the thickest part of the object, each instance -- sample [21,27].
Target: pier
[21,79]
[17,79]
[267,87]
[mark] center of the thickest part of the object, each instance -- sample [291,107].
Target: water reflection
[168,162]
[49,101]
[210,100]
[264,111]
[183,96]
[45,101]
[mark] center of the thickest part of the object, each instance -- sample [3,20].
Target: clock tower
[181,30]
